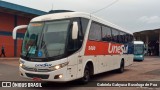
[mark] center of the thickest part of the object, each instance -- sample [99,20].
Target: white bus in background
[66,46]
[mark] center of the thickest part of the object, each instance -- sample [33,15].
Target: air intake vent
[37,75]
[59,11]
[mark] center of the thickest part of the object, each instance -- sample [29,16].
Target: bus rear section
[109,48]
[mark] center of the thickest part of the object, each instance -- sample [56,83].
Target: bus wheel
[86,76]
[121,69]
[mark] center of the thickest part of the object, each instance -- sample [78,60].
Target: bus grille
[36,69]
[42,76]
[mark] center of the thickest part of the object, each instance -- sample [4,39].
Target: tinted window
[95,32]
[115,34]
[84,23]
[127,38]
[106,34]
[74,45]
[131,38]
[122,37]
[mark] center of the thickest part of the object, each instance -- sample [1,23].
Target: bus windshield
[138,49]
[45,39]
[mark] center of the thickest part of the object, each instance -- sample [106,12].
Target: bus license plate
[37,79]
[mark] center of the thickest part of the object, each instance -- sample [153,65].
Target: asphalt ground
[147,70]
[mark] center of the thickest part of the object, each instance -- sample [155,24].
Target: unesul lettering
[117,49]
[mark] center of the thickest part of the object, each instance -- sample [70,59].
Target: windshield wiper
[43,46]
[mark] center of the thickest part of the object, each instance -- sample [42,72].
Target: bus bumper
[55,76]
[138,58]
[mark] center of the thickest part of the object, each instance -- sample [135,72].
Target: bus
[139,50]
[66,46]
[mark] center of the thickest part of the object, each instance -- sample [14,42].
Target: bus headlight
[56,67]
[20,64]
[141,56]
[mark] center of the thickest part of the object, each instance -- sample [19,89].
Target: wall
[7,24]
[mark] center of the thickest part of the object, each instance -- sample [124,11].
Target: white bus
[66,46]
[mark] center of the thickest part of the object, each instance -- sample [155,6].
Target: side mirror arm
[14,34]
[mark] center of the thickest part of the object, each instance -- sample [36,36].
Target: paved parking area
[148,70]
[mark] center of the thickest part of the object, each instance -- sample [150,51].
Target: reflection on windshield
[54,38]
[138,49]
[46,39]
[31,37]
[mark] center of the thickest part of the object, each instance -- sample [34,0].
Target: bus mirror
[75,30]
[14,34]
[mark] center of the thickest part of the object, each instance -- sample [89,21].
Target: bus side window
[74,45]
[128,38]
[84,24]
[119,38]
[125,38]
[122,37]
[131,38]
[106,33]
[115,34]
[95,32]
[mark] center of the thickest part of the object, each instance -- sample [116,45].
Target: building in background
[151,38]
[12,15]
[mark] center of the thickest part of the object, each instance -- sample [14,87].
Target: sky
[133,15]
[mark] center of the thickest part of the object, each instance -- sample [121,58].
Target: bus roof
[66,15]
[138,42]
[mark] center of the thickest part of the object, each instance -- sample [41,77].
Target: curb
[9,58]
